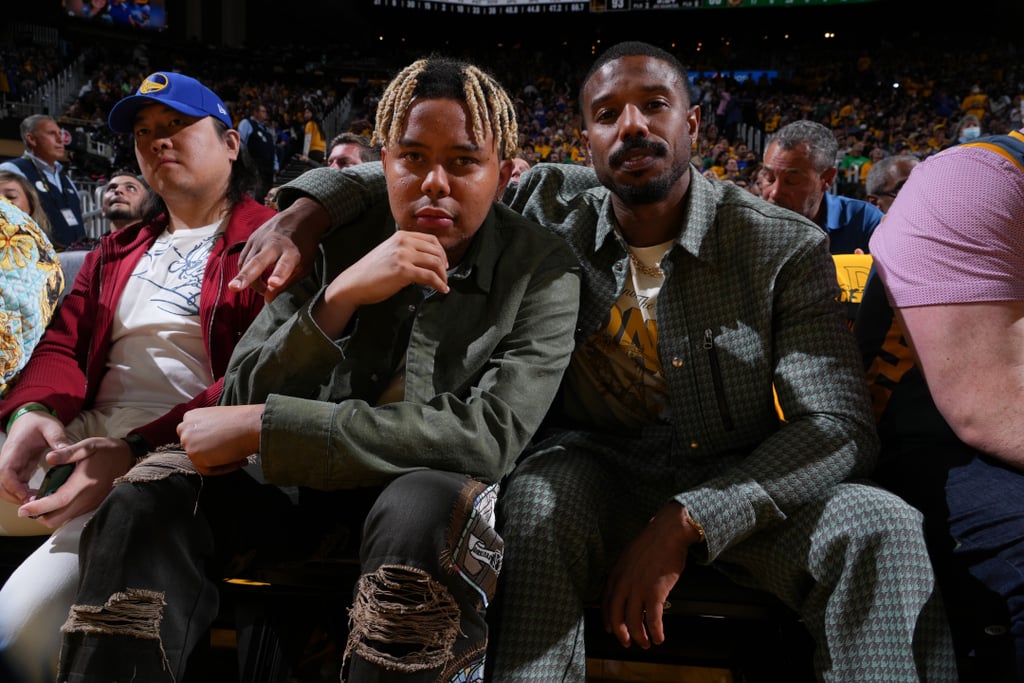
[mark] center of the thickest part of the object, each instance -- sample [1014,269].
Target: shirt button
[373,377]
[677,362]
[412,308]
[619,267]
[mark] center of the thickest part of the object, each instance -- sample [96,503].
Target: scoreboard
[528,7]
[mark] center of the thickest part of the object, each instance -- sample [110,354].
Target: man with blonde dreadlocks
[389,391]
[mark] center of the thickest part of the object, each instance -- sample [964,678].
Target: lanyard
[42,174]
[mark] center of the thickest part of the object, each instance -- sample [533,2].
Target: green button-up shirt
[482,363]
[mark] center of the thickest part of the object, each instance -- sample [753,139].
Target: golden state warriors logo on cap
[153,83]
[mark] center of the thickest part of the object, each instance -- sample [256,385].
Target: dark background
[358,23]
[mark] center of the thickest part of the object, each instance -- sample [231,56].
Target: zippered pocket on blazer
[716,378]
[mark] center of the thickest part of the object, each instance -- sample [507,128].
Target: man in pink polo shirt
[951,255]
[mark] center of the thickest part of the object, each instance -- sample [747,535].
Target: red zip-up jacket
[67,365]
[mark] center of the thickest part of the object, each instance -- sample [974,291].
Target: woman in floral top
[31,282]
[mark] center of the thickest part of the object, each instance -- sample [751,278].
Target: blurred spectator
[975,103]
[314,146]
[126,199]
[350,149]
[519,166]
[886,178]
[852,161]
[17,190]
[41,165]
[968,129]
[260,141]
[799,168]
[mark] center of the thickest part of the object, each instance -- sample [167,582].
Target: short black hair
[636,48]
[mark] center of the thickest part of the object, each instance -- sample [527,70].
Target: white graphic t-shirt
[615,378]
[157,356]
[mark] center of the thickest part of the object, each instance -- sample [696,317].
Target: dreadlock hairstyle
[490,108]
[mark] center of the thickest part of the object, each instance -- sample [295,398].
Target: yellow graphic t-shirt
[615,379]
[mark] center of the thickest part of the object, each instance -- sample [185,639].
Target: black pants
[153,555]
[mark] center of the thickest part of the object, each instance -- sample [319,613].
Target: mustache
[638,143]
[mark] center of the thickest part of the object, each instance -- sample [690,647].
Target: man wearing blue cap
[144,336]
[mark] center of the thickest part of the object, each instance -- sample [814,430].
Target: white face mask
[970,133]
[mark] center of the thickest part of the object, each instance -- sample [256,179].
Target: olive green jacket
[482,363]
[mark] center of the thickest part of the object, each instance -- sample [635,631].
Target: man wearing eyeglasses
[886,178]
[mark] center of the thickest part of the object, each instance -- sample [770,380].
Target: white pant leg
[35,601]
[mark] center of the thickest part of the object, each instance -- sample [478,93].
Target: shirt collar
[484,251]
[833,211]
[698,217]
[55,169]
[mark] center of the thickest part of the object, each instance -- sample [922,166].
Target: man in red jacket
[144,336]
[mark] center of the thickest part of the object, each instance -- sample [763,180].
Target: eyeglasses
[893,192]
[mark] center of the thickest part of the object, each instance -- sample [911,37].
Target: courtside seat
[711,621]
[282,613]
[70,262]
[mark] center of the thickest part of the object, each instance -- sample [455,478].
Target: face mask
[970,133]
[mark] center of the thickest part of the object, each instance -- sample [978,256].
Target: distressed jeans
[153,555]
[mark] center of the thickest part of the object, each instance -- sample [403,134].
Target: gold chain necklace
[649,271]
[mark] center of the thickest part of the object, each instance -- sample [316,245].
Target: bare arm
[972,356]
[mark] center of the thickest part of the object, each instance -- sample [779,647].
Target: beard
[119,213]
[655,189]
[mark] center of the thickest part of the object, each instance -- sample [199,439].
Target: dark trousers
[153,555]
[974,518]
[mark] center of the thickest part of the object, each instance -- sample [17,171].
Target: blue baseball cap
[179,92]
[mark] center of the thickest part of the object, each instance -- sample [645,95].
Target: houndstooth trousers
[851,562]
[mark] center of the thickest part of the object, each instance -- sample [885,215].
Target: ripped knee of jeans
[135,613]
[159,465]
[403,620]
